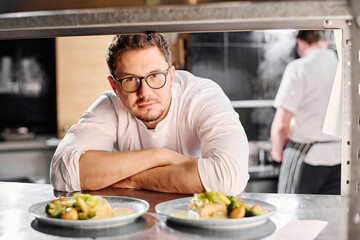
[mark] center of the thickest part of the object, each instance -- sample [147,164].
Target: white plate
[170,207]
[139,207]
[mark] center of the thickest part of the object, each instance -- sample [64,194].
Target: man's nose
[144,90]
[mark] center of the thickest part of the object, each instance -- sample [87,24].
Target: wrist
[161,156]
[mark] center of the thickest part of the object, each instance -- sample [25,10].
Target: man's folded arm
[223,165]
[179,178]
[96,169]
[99,169]
[192,176]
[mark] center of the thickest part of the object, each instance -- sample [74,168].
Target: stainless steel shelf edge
[226,16]
[351,144]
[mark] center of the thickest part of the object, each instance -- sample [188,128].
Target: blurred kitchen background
[46,85]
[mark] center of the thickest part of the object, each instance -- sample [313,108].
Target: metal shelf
[205,17]
[252,103]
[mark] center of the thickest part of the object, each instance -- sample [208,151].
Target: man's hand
[276,156]
[171,157]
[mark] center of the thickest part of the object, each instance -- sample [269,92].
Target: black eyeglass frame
[141,78]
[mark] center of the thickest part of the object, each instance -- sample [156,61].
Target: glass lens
[156,80]
[130,84]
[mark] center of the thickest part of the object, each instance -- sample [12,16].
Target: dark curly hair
[125,42]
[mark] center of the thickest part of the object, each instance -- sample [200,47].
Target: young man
[311,159]
[172,131]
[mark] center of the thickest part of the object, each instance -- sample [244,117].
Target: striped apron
[292,162]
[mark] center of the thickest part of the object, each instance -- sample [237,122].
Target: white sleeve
[223,165]
[96,130]
[291,90]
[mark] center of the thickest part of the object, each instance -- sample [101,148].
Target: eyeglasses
[155,80]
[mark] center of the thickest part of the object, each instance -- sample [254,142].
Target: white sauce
[188,215]
[119,212]
[115,212]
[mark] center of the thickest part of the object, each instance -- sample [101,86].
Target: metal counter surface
[17,223]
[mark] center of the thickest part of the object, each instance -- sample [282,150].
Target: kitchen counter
[263,178]
[16,222]
[37,143]
[264,171]
[26,160]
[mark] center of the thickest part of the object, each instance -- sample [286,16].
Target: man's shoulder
[109,101]
[105,98]
[297,66]
[296,63]
[109,106]
[187,80]
[194,91]
[109,94]
[319,57]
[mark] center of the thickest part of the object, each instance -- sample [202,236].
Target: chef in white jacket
[159,129]
[311,159]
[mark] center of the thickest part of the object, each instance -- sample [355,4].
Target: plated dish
[137,206]
[170,210]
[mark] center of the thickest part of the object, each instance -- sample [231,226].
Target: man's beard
[152,118]
[149,119]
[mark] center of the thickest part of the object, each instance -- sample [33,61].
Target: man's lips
[146,104]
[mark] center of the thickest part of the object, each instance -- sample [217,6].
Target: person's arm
[84,159]
[180,178]
[280,133]
[99,169]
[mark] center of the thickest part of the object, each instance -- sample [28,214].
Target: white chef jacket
[305,91]
[200,123]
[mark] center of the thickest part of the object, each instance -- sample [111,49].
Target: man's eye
[155,75]
[131,79]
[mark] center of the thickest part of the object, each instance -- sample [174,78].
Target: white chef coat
[200,123]
[305,91]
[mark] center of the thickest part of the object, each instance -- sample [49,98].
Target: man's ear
[327,43]
[302,45]
[172,74]
[112,84]
[300,42]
